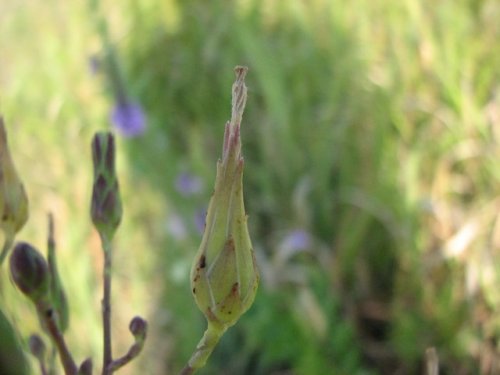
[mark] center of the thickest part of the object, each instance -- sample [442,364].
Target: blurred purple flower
[199,220]
[296,240]
[176,227]
[129,118]
[188,184]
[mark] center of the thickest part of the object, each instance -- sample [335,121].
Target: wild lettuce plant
[224,275]
[38,278]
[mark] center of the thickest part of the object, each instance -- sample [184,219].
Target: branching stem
[58,339]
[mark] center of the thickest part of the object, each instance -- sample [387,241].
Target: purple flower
[129,118]
[188,184]
[199,219]
[296,240]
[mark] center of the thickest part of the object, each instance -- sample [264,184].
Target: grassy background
[372,128]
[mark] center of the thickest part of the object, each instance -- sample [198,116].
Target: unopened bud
[37,347]
[13,199]
[224,275]
[138,327]
[86,367]
[106,207]
[30,271]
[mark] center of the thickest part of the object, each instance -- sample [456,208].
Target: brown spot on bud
[202,263]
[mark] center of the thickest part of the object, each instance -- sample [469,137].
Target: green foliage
[12,359]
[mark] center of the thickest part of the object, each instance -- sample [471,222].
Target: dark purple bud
[138,327]
[106,207]
[37,346]
[30,271]
[85,367]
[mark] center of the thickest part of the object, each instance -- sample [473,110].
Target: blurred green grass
[371,127]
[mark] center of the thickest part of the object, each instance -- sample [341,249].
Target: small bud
[30,271]
[37,347]
[86,367]
[13,199]
[224,275]
[106,207]
[139,328]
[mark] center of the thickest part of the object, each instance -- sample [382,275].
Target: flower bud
[106,207]
[13,199]
[139,328]
[224,275]
[30,272]
[37,347]
[86,367]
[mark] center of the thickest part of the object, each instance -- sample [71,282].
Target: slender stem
[113,68]
[9,240]
[58,339]
[204,348]
[432,361]
[133,352]
[106,307]
[187,370]
[43,369]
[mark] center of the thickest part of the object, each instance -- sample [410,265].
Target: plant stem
[122,361]
[58,339]
[106,306]
[204,348]
[43,369]
[187,370]
[9,240]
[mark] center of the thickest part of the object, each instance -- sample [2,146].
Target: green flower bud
[13,199]
[106,207]
[224,275]
[30,272]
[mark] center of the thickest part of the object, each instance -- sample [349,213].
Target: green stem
[204,348]
[113,68]
[9,240]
